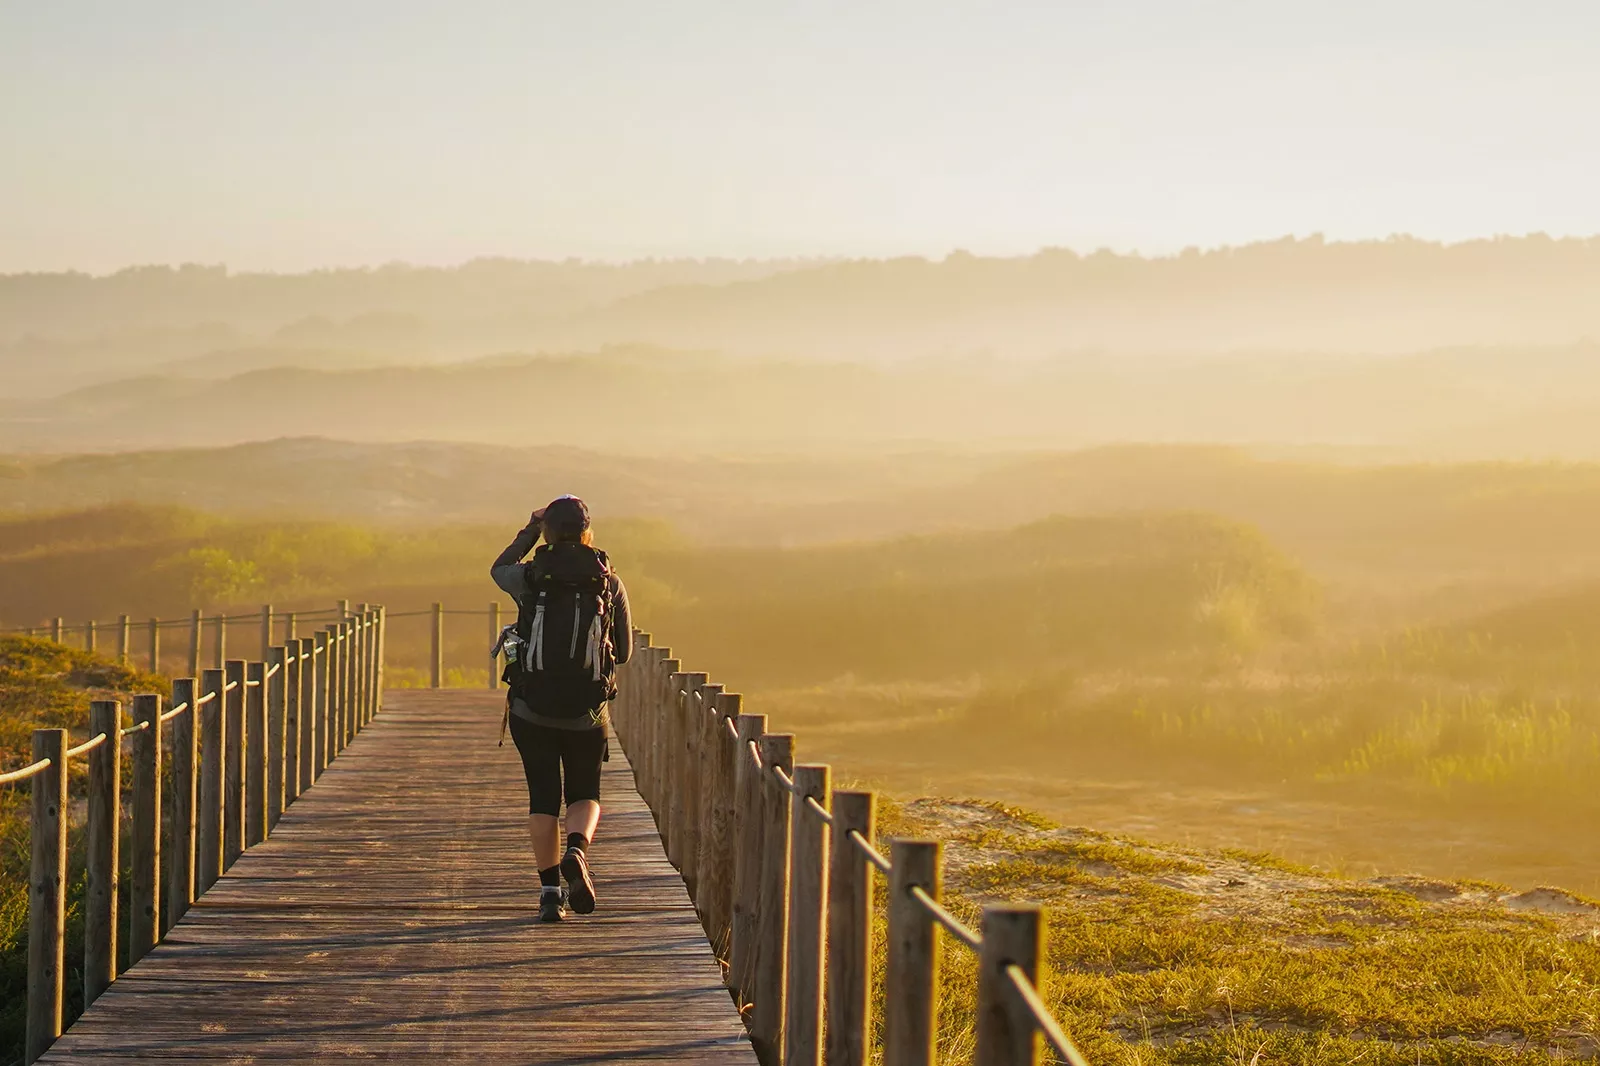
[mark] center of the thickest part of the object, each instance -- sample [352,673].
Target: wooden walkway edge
[391,918]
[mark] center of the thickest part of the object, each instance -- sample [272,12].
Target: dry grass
[1160,955]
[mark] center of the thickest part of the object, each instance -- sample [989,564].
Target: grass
[1163,956]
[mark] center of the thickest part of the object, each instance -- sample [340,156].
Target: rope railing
[868,852]
[1048,1026]
[203,630]
[25,772]
[174,623]
[951,924]
[87,746]
[246,740]
[790,917]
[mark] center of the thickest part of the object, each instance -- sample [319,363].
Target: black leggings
[546,752]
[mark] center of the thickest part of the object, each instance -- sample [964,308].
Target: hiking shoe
[580,886]
[552,905]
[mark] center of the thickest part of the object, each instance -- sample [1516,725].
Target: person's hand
[536,519]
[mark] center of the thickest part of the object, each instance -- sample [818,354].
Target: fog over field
[1286,504]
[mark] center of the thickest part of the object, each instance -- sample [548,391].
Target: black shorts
[550,754]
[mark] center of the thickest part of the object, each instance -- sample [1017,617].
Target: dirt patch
[1550,901]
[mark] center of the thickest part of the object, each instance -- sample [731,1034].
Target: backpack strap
[536,635]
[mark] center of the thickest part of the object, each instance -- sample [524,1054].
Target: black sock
[550,878]
[578,840]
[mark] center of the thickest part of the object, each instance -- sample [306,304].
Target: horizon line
[1315,238]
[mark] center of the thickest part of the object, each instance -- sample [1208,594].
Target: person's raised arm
[506,569]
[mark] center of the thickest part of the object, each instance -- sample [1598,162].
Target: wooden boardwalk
[391,917]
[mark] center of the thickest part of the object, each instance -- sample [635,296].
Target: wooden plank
[391,916]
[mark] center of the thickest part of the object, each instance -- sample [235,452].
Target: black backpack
[566,664]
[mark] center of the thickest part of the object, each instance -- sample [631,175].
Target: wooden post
[289,626]
[291,722]
[155,645]
[363,633]
[194,644]
[655,697]
[672,767]
[91,634]
[494,638]
[346,649]
[307,715]
[352,652]
[124,639]
[277,701]
[328,716]
[321,663]
[144,896]
[686,784]
[208,842]
[849,1002]
[358,639]
[912,970]
[185,764]
[256,754]
[702,800]
[371,667]
[56,627]
[1007,1034]
[665,689]
[718,853]
[47,894]
[102,861]
[808,915]
[221,654]
[378,664]
[233,772]
[336,648]
[747,856]
[266,630]
[436,660]
[649,701]
[638,738]
[772,915]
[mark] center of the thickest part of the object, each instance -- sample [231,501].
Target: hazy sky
[292,134]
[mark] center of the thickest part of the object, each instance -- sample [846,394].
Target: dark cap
[567,516]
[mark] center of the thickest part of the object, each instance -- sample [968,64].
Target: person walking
[573,629]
